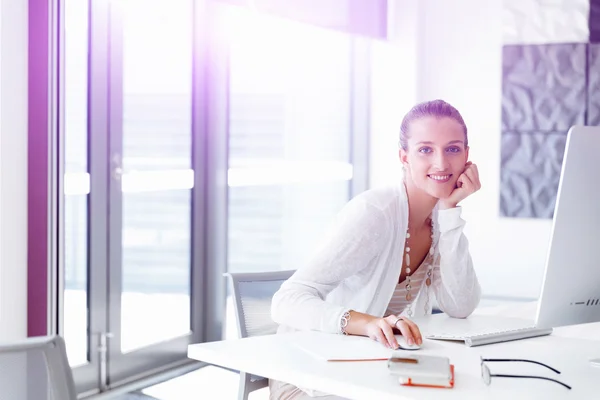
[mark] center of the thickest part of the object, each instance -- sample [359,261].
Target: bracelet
[344,322]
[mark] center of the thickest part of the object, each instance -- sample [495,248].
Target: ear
[467,153]
[403,157]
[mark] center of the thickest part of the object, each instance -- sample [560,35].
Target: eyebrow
[451,142]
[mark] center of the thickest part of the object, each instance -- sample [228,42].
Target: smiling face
[435,156]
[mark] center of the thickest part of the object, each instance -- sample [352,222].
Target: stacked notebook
[422,370]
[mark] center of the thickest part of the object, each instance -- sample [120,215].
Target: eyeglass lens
[485,374]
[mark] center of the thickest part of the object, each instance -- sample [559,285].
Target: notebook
[334,347]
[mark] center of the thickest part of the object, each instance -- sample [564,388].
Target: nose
[440,161]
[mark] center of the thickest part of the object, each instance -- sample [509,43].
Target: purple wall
[38,135]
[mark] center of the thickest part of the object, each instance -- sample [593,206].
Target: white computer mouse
[403,344]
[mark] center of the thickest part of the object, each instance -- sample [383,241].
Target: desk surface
[276,357]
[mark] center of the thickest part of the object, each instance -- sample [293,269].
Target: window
[290,139]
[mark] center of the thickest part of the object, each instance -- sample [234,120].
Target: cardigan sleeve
[354,241]
[455,283]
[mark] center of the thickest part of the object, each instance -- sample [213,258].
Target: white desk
[276,357]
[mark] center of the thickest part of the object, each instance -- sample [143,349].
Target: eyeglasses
[487,376]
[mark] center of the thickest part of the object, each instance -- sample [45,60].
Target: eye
[453,149]
[425,150]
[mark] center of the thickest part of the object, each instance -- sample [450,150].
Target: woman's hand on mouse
[382,330]
[408,329]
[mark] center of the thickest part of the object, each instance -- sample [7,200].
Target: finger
[471,175]
[380,337]
[478,181]
[474,181]
[474,168]
[467,183]
[475,176]
[406,331]
[388,332]
[459,181]
[416,332]
[476,185]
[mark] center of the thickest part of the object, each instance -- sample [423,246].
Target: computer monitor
[571,286]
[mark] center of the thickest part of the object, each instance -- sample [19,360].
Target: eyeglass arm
[531,376]
[519,360]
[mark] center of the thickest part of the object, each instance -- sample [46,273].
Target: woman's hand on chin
[466,184]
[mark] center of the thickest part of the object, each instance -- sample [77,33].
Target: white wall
[13,169]
[458,58]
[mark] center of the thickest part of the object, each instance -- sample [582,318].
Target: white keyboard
[482,337]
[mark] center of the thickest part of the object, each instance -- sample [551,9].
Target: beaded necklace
[408,270]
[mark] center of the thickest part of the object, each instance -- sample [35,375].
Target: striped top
[398,301]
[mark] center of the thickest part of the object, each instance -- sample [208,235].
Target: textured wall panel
[531,164]
[594,21]
[543,87]
[593,116]
[545,21]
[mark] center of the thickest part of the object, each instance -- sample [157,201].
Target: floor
[135,396]
[205,383]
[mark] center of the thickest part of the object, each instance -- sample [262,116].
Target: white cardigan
[358,265]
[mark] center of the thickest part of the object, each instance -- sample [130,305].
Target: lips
[440,178]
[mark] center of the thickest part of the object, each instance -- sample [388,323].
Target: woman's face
[436,155]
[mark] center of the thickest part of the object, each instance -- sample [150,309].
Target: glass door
[126,111]
[151,181]
[84,282]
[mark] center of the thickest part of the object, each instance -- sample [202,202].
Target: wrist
[444,204]
[358,322]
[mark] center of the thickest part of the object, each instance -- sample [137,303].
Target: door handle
[117,167]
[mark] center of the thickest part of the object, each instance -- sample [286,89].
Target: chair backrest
[36,368]
[252,294]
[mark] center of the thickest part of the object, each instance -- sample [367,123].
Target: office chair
[252,294]
[36,368]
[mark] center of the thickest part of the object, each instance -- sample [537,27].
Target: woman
[394,248]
